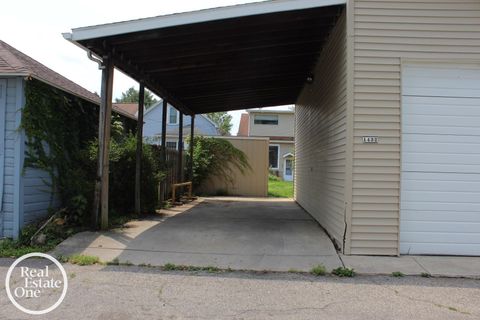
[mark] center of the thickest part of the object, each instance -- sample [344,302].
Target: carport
[230,58]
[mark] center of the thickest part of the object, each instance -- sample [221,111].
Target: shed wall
[254,182]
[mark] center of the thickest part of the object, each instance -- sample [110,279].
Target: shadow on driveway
[238,233]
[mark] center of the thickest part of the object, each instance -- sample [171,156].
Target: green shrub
[397,274]
[122,174]
[344,272]
[272,177]
[319,270]
[216,157]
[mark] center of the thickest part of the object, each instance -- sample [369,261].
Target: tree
[223,121]
[131,96]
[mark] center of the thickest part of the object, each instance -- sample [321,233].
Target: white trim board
[265,7]
[278,155]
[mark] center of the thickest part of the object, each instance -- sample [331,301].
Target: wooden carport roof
[230,58]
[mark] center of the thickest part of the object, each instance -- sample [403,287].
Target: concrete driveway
[237,233]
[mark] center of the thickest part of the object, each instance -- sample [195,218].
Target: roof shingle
[14,62]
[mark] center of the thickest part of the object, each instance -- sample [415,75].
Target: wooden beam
[133,70]
[192,133]
[105,114]
[138,160]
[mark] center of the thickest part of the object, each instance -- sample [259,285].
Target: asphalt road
[128,292]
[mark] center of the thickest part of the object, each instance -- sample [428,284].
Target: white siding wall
[321,138]
[385,33]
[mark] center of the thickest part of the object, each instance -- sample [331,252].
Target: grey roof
[14,62]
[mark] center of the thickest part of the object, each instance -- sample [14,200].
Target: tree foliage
[216,157]
[132,95]
[223,121]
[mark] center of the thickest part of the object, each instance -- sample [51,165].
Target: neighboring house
[24,194]
[152,123]
[387,116]
[279,126]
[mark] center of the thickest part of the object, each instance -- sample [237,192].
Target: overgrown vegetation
[344,272]
[319,270]
[278,188]
[45,241]
[397,274]
[216,157]
[61,132]
[122,174]
[59,128]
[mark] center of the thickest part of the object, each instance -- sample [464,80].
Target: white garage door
[440,189]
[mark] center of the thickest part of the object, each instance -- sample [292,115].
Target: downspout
[96,60]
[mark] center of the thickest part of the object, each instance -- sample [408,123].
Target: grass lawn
[280,189]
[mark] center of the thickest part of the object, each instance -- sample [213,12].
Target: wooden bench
[178,185]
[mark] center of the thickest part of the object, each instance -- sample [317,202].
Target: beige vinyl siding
[321,138]
[285,127]
[254,182]
[387,32]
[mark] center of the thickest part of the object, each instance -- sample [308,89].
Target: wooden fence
[171,176]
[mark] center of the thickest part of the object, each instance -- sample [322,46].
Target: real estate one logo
[36,287]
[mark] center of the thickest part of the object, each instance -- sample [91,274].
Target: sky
[35,27]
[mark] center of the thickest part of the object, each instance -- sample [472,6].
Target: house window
[172,145]
[271,119]
[273,152]
[172,115]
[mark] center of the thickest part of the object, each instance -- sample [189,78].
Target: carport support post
[138,160]
[164,131]
[105,115]
[180,147]
[192,132]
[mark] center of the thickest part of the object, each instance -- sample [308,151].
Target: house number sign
[370,139]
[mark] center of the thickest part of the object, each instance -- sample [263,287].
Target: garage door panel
[441,186]
[439,177]
[445,206]
[421,80]
[434,227]
[440,130]
[444,158]
[417,104]
[440,189]
[444,91]
[470,141]
[441,197]
[442,120]
[442,237]
[439,248]
[440,147]
[438,215]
